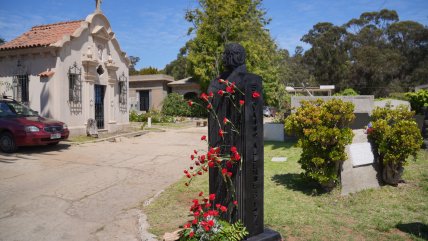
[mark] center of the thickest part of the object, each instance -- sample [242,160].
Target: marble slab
[361,154]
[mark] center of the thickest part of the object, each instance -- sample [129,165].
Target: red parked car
[21,126]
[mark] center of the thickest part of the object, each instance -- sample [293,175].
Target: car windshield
[11,109]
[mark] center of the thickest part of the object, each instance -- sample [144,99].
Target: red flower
[195,221]
[199,173]
[221,133]
[185,171]
[188,175]
[191,234]
[236,156]
[191,168]
[223,209]
[256,94]
[233,149]
[241,102]
[211,94]
[209,106]
[204,96]
[220,92]
[202,158]
[211,164]
[229,174]
[229,165]
[225,120]
[218,206]
[195,151]
[201,193]
[192,157]
[212,197]
[190,103]
[197,163]
[230,89]
[187,225]
[211,223]
[235,203]
[223,171]
[203,138]
[221,80]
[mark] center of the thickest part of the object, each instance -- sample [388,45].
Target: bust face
[233,56]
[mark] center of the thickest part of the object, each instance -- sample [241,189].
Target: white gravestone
[361,154]
[279,159]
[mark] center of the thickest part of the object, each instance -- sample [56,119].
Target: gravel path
[90,191]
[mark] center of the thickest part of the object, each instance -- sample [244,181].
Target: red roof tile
[42,35]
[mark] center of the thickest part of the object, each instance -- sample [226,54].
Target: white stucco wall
[50,96]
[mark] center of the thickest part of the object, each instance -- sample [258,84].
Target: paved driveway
[90,191]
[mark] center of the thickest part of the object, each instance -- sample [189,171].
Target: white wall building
[69,71]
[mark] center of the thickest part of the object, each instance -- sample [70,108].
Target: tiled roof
[42,35]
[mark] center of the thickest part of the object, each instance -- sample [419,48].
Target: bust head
[233,56]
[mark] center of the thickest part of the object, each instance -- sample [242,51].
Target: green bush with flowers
[323,132]
[395,137]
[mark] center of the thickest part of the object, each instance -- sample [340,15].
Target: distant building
[69,71]
[188,87]
[147,92]
[323,89]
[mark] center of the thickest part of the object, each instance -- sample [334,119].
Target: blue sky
[155,30]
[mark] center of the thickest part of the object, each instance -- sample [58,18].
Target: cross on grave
[247,180]
[98,5]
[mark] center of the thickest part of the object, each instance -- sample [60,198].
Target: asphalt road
[90,191]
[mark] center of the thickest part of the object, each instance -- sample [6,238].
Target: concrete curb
[131,134]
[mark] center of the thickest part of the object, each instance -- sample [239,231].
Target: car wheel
[7,143]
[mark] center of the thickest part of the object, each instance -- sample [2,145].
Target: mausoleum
[70,71]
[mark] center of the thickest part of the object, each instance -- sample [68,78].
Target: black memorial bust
[245,110]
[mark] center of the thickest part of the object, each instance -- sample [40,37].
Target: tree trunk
[391,173]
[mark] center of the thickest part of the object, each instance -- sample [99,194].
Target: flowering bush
[322,129]
[206,223]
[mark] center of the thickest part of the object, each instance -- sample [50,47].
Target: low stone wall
[363,103]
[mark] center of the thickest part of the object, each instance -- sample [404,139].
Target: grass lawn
[299,211]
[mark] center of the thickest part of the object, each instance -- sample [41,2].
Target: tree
[149,70]
[133,60]
[2,41]
[218,22]
[180,67]
[327,58]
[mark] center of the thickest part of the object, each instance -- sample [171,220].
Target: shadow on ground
[417,229]
[297,182]
[280,145]
[26,152]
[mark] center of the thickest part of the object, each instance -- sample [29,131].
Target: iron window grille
[75,83]
[123,89]
[22,89]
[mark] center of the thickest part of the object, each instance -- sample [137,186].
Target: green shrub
[323,132]
[175,105]
[347,92]
[418,100]
[395,137]
[157,117]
